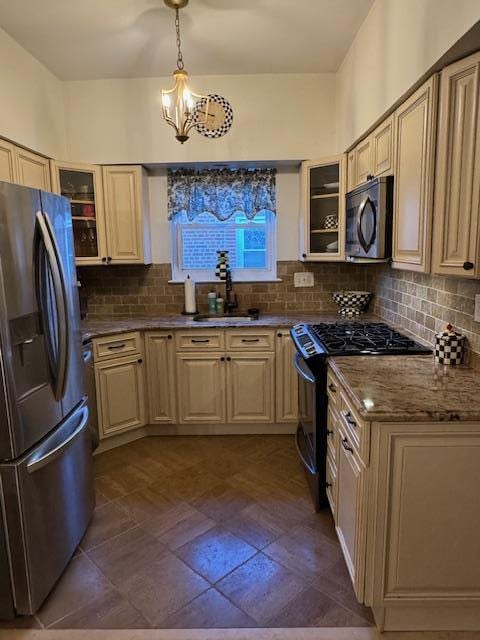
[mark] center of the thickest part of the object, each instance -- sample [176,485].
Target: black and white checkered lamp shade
[449,349]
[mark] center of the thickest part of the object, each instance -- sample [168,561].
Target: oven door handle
[300,371]
[300,452]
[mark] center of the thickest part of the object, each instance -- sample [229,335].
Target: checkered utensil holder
[449,347]
[331,222]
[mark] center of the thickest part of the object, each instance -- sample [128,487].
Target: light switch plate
[303,279]
[476,316]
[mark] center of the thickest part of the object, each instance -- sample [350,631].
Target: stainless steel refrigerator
[46,479]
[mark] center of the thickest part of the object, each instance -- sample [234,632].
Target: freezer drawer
[48,500]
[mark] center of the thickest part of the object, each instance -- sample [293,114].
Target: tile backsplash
[425,304]
[421,303]
[145,290]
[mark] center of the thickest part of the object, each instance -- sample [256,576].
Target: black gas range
[314,344]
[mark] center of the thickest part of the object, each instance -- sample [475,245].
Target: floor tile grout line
[117,535]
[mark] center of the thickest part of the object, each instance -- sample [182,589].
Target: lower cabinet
[160,360]
[286,379]
[350,522]
[120,386]
[201,387]
[250,387]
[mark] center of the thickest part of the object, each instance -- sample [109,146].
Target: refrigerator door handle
[58,280]
[57,451]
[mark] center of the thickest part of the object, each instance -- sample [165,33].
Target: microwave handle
[361,212]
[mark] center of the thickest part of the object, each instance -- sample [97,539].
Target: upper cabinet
[82,185]
[7,162]
[373,156]
[128,232]
[456,245]
[109,212]
[323,210]
[32,170]
[414,126]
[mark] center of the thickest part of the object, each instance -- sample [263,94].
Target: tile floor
[203,532]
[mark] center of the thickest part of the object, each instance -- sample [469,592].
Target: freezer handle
[57,451]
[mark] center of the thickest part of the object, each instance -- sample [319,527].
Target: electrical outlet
[303,279]
[476,316]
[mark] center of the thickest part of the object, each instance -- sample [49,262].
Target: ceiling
[94,39]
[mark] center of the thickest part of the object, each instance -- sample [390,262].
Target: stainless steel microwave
[369,210]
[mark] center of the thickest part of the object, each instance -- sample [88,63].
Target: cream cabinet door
[32,170]
[286,379]
[456,246]
[250,387]
[201,387]
[160,358]
[126,213]
[120,395]
[413,187]
[363,160]
[382,148]
[350,512]
[8,172]
[351,173]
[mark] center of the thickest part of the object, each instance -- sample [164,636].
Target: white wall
[276,117]
[32,110]
[397,43]
[288,197]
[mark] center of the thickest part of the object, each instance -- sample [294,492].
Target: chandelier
[180,104]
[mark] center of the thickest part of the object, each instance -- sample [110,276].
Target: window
[250,245]
[213,210]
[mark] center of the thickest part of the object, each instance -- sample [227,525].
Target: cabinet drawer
[124,344]
[241,339]
[356,430]
[194,340]
[333,390]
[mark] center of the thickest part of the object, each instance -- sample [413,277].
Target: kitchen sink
[239,317]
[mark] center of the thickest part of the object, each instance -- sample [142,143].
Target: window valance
[221,192]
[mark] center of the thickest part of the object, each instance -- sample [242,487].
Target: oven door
[306,437]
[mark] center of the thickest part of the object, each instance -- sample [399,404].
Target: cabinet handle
[250,339]
[329,432]
[197,340]
[228,358]
[140,361]
[370,176]
[116,346]
[332,387]
[169,337]
[328,485]
[346,446]
[468,266]
[348,417]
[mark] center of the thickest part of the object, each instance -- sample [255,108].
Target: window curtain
[221,192]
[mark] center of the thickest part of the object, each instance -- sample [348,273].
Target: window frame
[261,274]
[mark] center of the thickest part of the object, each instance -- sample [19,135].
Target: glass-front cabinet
[82,185]
[323,210]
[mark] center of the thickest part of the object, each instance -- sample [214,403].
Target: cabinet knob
[140,361]
[370,176]
[104,260]
[346,446]
[468,266]
[329,432]
[222,359]
[304,255]
[228,358]
[279,334]
[169,336]
[332,387]
[109,259]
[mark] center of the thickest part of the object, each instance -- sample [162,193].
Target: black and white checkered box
[449,348]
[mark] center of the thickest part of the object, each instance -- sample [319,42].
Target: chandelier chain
[180,64]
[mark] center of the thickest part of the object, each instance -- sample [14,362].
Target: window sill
[217,281]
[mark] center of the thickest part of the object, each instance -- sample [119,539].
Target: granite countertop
[408,388]
[97,327]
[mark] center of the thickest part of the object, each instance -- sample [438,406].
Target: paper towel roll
[190,304]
